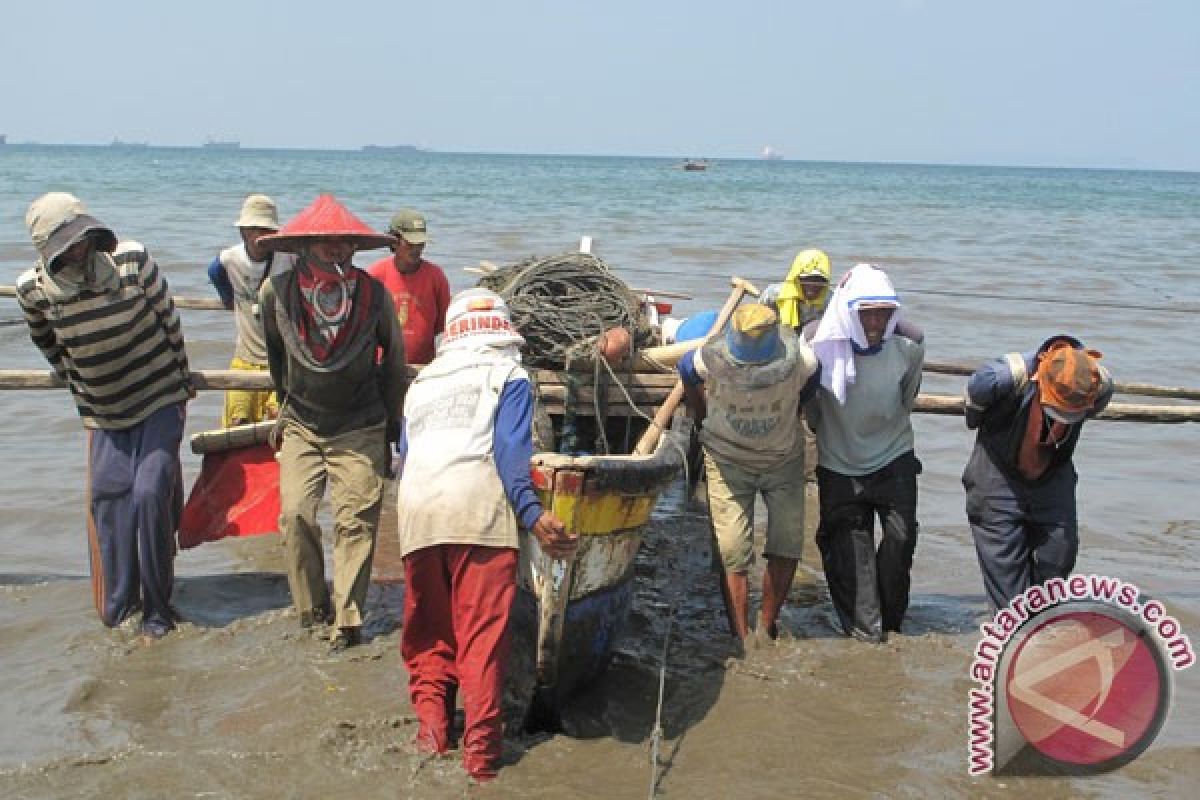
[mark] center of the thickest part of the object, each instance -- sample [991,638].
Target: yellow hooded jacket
[794,309]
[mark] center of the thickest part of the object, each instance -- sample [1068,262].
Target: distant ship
[3,138]
[128,145]
[770,154]
[694,165]
[390,148]
[214,144]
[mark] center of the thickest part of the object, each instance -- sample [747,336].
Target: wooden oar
[650,438]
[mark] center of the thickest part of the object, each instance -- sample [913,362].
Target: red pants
[457,603]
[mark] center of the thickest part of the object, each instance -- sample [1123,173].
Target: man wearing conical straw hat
[238,273]
[746,388]
[336,356]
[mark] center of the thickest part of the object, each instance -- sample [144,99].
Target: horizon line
[117,144]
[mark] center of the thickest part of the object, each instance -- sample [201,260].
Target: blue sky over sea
[1106,84]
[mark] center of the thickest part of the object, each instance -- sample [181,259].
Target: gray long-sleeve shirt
[873,427]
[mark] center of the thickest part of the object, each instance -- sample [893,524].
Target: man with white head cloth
[465,492]
[865,460]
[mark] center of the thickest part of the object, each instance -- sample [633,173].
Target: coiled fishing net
[561,303]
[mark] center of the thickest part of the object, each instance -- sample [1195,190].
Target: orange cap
[1069,381]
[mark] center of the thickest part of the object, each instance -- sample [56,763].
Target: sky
[1106,83]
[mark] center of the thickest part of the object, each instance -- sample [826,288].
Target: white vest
[753,409]
[450,491]
[247,277]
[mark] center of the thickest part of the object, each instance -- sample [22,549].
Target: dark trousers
[869,587]
[1025,534]
[135,498]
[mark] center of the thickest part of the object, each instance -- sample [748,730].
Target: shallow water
[241,704]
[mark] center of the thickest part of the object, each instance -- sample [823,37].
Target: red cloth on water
[235,494]
[457,603]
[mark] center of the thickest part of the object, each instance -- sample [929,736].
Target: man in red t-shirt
[419,288]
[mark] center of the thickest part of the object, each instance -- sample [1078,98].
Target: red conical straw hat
[325,217]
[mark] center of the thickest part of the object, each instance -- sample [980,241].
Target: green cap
[409,226]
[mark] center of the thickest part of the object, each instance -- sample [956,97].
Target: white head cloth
[478,321]
[841,330]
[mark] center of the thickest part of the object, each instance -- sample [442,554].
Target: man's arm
[158,295]
[42,335]
[909,330]
[276,356]
[693,372]
[442,299]
[992,382]
[513,445]
[1106,392]
[808,361]
[220,280]
[912,377]
[394,374]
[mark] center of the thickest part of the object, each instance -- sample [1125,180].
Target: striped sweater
[121,352]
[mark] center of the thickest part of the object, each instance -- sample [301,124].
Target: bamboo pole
[662,356]
[195,303]
[1143,389]
[223,379]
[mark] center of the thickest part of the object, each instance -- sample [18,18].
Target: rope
[561,303]
[656,736]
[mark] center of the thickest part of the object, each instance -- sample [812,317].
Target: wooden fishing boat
[570,614]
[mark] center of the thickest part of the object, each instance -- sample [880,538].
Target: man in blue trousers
[1029,410]
[102,315]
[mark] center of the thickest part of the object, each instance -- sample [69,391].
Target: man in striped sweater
[102,315]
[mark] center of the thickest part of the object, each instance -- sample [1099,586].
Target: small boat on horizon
[694,165]
[770,154]
[390,148]
[221,144]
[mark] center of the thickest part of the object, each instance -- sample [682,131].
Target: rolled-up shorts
[732,491]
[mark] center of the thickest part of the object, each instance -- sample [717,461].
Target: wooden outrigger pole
[651,391]
[926,403]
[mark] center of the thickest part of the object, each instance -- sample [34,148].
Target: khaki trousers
[731,494]
[354,466]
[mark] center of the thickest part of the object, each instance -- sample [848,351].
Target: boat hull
[569,615]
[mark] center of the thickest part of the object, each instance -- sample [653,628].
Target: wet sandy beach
[241,703]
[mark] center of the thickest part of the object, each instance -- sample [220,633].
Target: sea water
[987,260]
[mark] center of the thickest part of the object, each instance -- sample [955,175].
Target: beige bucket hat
[258,211]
